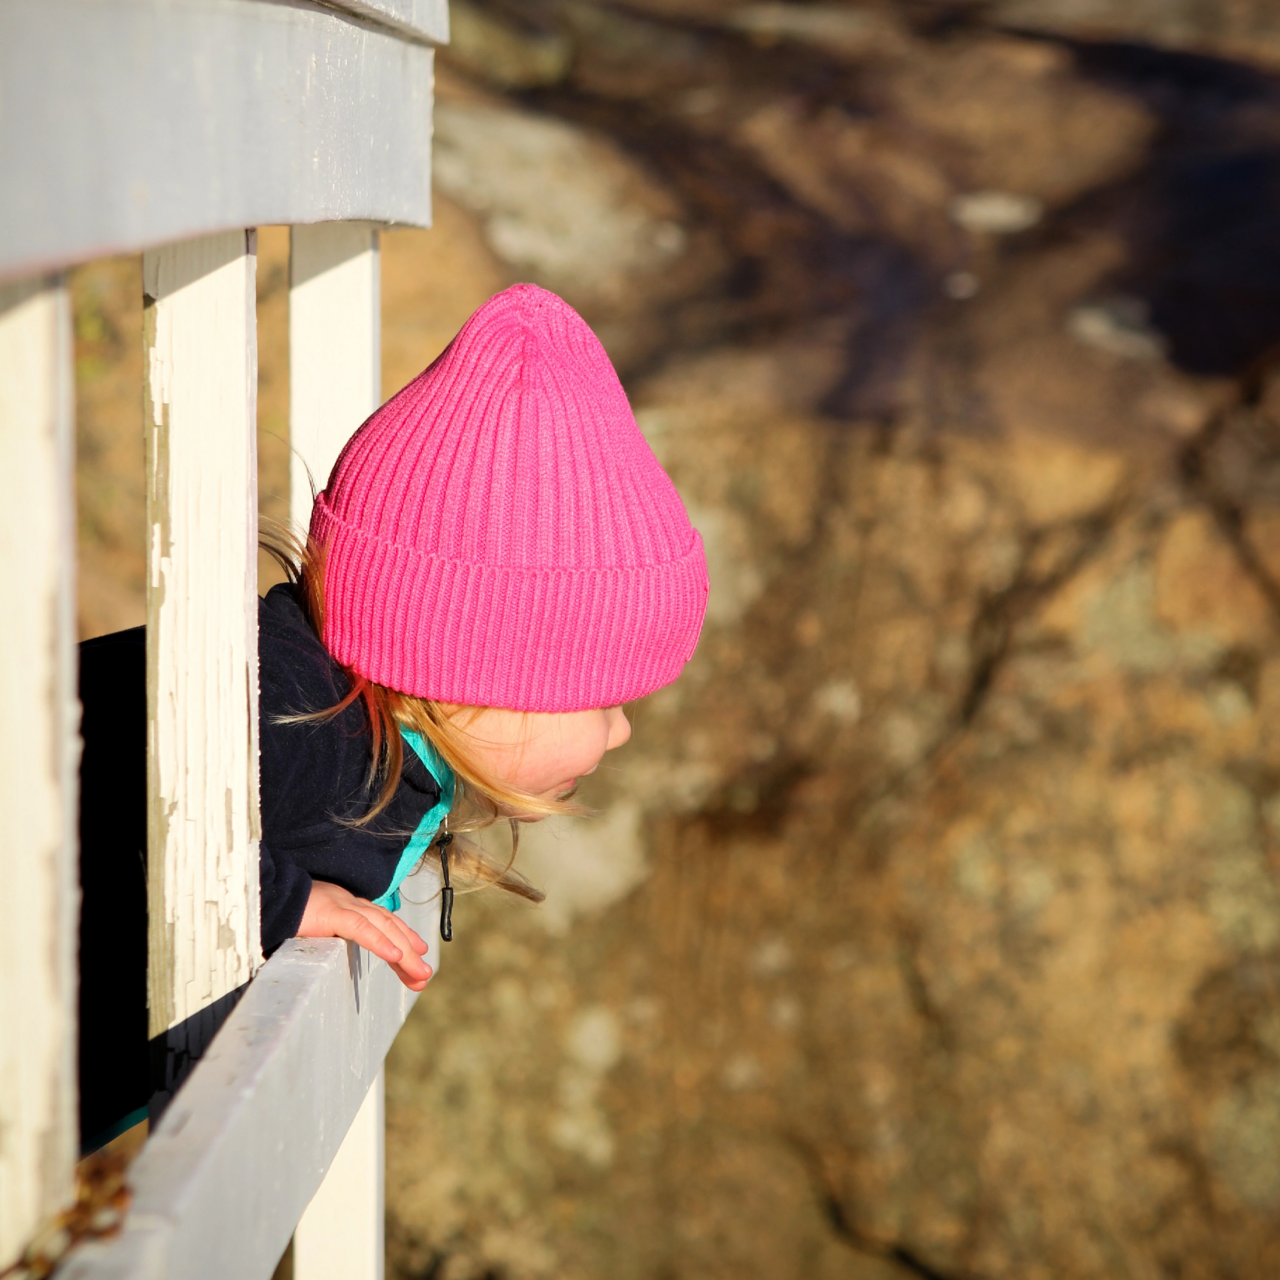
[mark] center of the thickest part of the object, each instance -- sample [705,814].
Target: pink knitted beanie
[500,534]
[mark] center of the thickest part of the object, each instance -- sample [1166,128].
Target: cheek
[557,759]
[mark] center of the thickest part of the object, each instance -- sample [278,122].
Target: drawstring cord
[446,890]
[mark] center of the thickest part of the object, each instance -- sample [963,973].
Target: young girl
[497,564]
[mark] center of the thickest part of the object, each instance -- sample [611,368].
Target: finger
[412,970]
[415,939]
[393,926]
[413,966]
[415,982]
[399,933]
[407,936]
[357,927]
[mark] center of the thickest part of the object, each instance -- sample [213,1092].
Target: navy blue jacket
[315,778]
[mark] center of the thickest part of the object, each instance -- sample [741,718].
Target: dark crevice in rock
[1203,1198]
[1230,520]
[945,19]
[991,642]
[1198,472]
[758,800]
[922,1000]
[904,1257]
[910,1262]
[882,339]
[412,1258]
[1179,83]
[833,1210]
[993,627]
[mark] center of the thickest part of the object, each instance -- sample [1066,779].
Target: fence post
[335,348]
[335,380]
[202,634]
[39,753]
[341,1234]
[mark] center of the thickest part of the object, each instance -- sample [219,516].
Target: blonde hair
[481,798]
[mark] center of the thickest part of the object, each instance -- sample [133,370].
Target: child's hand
[334,913]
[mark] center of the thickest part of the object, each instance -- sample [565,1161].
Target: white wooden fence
[174,127]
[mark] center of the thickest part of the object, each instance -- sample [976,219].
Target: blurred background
[929,926]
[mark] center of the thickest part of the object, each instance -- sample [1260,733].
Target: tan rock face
[1010,115]
[553,200]
[931,921]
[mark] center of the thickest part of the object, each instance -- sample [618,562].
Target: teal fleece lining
[426,830]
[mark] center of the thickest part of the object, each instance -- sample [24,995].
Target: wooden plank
[39,752]
[341,1236]
[130,123]
[427,19]
[243,1147]
[335,347]
[202,624]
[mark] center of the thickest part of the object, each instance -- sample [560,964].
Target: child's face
[545,752]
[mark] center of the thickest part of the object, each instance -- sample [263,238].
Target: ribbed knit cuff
[528,639]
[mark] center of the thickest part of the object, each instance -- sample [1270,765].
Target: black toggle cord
[446,891]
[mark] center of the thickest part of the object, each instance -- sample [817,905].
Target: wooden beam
[335,379]
[243,1148]
[202,624]
[39,753]
[130,123]
[335,348]
[426,19]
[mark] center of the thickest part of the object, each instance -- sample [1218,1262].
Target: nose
[619,728]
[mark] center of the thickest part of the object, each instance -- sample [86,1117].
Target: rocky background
[930,925]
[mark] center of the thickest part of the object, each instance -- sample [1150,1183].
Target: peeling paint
[202,624]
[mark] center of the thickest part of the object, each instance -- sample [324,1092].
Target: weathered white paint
[335,348]
[341,1235]
[243,1147]
[427,19]
[39,749]
[202,626]
[130,123]
[335,380]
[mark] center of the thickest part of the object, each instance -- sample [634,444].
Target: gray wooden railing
[172,128]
